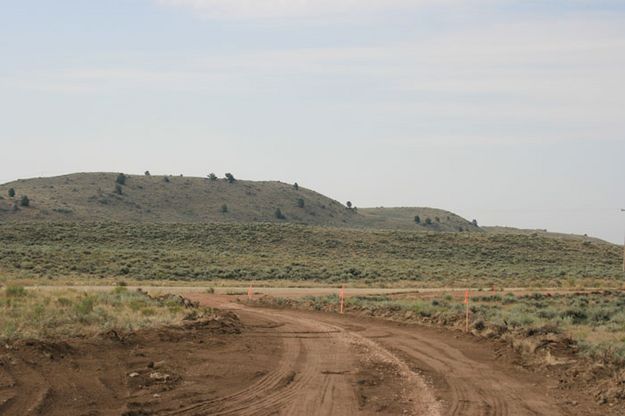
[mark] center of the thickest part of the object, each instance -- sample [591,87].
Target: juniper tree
[279,215]
[121,179]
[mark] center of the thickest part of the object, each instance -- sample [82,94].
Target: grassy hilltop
[96,197]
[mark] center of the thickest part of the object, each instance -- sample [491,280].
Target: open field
[309,255]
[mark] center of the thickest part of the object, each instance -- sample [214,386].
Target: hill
[166,199]
[430,219]
[96,197]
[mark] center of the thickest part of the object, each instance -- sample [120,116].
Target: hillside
[404,219]
[92,197]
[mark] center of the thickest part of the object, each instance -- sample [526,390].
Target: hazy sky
[510,112]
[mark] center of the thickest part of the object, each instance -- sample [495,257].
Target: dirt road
[275,362]
[436,372]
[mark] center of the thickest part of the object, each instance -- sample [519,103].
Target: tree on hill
[11,192]
[166,179]
[224,208]
[147,173]
[428,221]
[349,204]
[417,219]
[279,215]
[212,177]
[296,186]
[300,202]
[474,222]
[121,179]
[24,202]
[230,178]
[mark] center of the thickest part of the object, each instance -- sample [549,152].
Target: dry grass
[34,314]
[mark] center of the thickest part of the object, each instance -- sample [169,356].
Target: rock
[159,376]
[133,375]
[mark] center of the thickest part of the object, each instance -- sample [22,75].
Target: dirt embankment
[136,373]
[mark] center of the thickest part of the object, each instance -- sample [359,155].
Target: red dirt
[275,362]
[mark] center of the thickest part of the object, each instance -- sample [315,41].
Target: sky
[509,112]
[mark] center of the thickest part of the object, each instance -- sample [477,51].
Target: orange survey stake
[466,302]
[250,292]
[342,297]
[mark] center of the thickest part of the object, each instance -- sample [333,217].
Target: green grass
[309,255]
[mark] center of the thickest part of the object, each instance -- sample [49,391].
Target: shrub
[118,189]
[165,179]
[84,307]
[230,178]
[278,214]
[437,219]
[349,204]
[417,219]
[24,202]
[577,315]
[11,192]
[147,173]
[15,291]
[428,221]
[300,202]
[474,222]
[224,208]
[296,186]
[212,177]
[121,179]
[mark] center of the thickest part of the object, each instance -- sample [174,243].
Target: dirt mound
[130,373]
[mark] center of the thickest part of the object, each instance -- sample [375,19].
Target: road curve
[445,374]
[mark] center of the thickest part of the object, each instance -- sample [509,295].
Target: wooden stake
[466,302]
[342,297]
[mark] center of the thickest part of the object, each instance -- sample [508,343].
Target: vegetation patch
[306,254]
[58,314]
